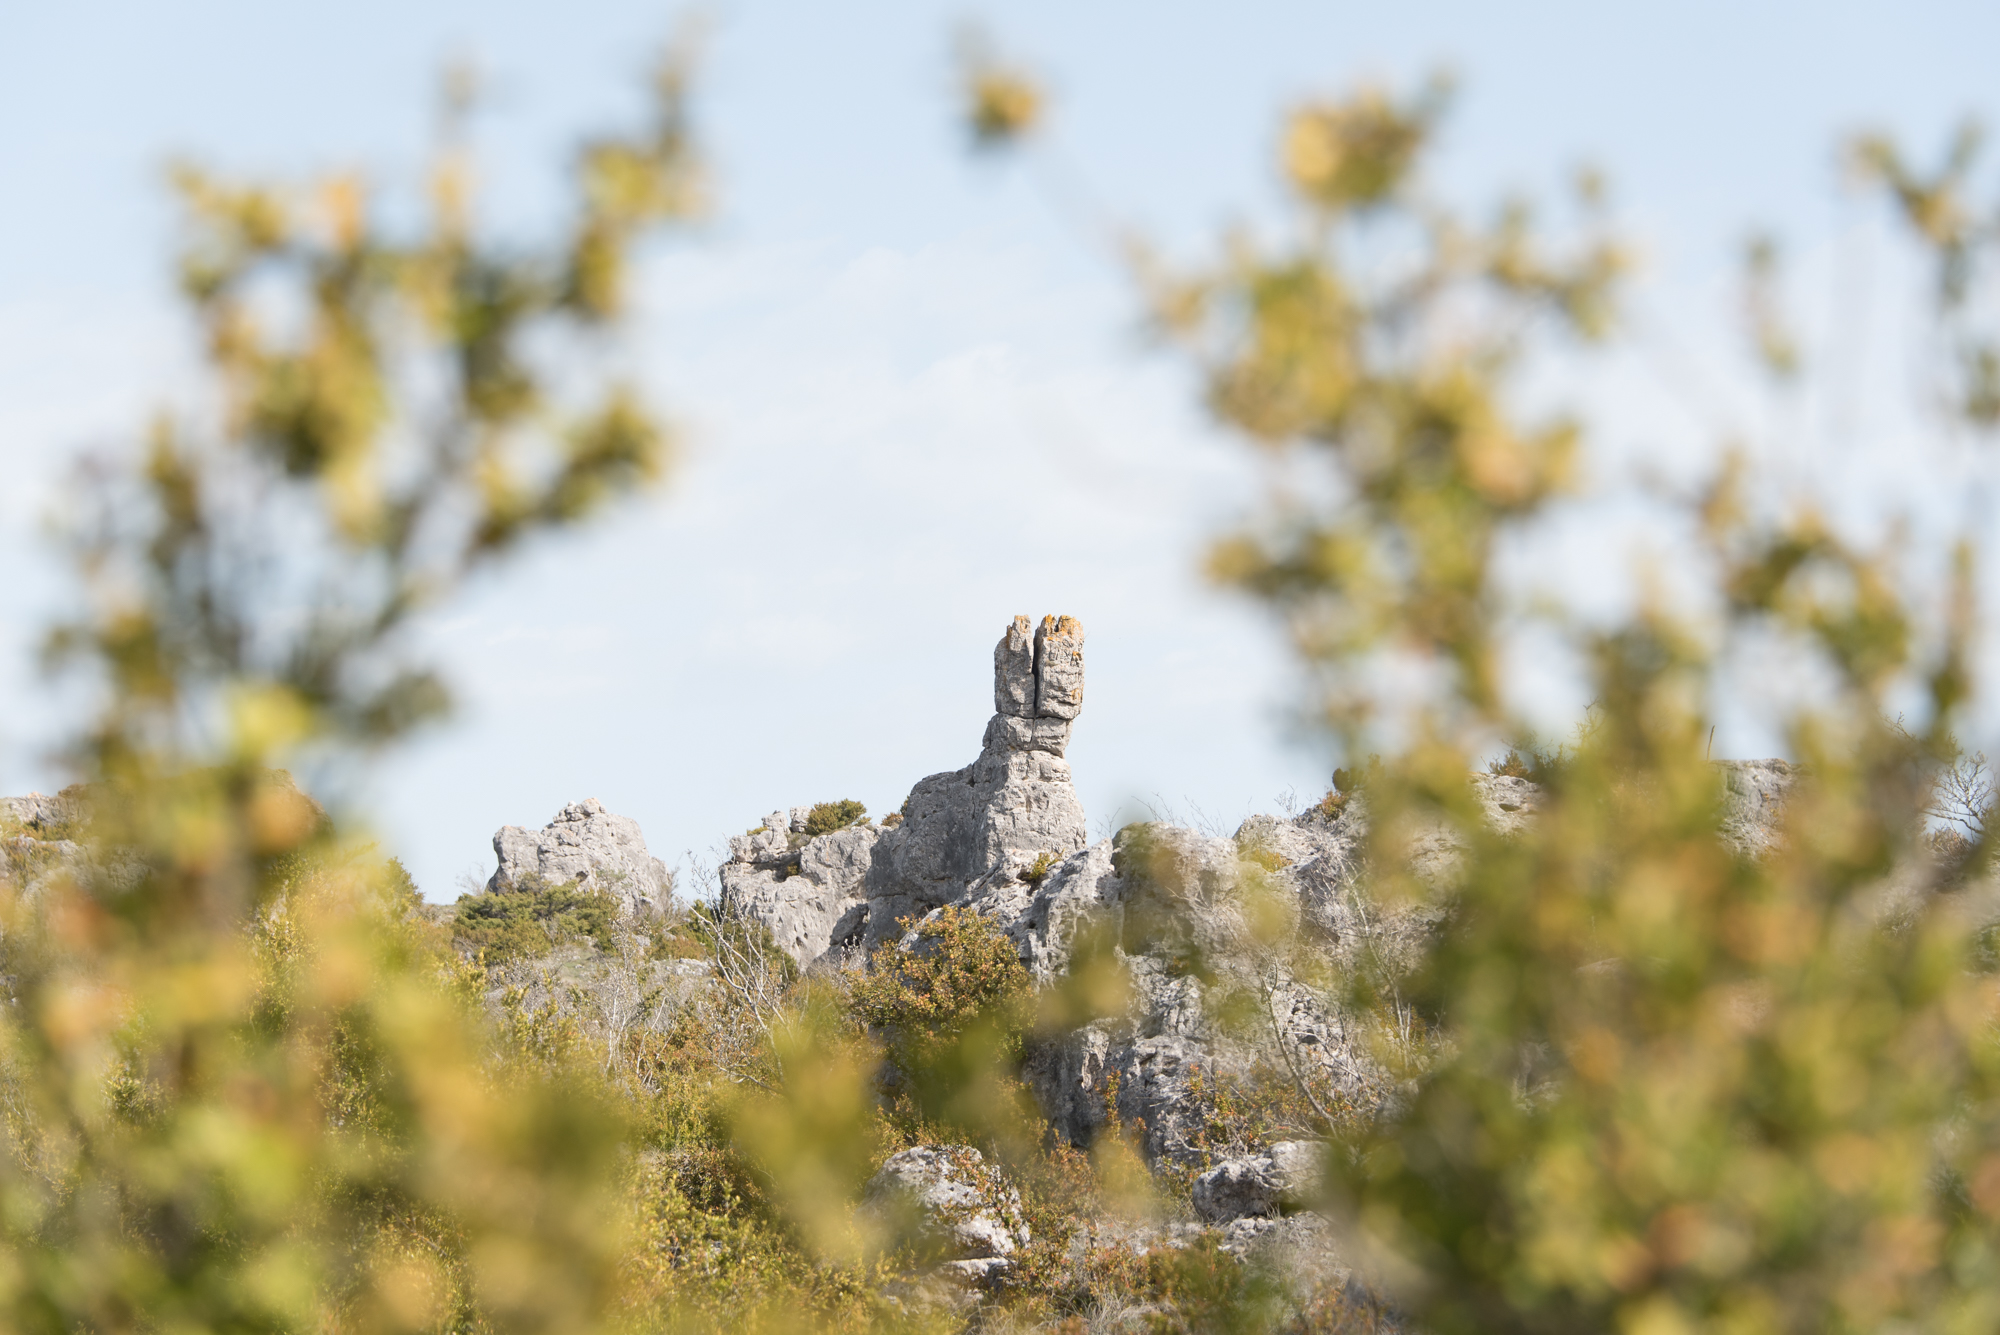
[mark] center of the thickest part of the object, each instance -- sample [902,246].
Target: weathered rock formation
[1284,1179]
[35,843]
[589,846]
[1753,802]
[1008,809]
[960,1212]
[1206,930]
[831,899]
[809,892]
[40,814]
[1202,928]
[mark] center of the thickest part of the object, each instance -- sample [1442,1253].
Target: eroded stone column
[1058,667]
[1014,671]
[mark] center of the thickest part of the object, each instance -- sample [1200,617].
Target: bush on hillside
[962,969]
[532,919]
[826,817]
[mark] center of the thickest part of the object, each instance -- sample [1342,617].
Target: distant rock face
[838,896]
[34,848]
[39,813]
[1285,1178]
[590,846]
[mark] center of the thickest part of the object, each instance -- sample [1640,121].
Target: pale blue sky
[914,398]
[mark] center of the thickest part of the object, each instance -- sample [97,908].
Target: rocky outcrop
[1230,949]
[963,1218]
[40,816]
[809,892]
[1202,929]
[589,846]
[832,899]
[1010,808]
[35,844]
[1196,924]
[1284,1179]
[46,841]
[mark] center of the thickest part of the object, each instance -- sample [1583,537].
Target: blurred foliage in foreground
[1674,1086]
[248,1083]
[245,1087]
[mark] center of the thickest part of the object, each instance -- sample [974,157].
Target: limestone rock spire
[1058,667]
[842,894]
[1014,671]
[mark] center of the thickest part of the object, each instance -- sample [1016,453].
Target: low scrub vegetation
[826,817]
[962,975]
[529,919]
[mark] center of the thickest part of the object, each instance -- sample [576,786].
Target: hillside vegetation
[1614,1038]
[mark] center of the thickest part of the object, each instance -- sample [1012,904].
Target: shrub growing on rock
[826,817]
[952,1010]
[961,971]
[531,919]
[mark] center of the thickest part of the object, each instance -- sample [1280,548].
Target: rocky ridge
[1201,925]
[964,1217]
[1207,929]
[35,843]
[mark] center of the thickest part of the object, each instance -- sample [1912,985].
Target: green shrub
[532,919]
[1352,781]
[826,817]
[1669,1085]
[676,940]
[952,1012]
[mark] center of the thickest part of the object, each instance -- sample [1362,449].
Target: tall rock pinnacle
[1009,808]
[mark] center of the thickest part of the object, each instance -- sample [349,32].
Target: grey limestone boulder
[1287,1177]
[1234,1189]
[34,849]
[1508,801]
[1081,894]
[808,892]
[38,814]
[962,1214]
[587,845]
